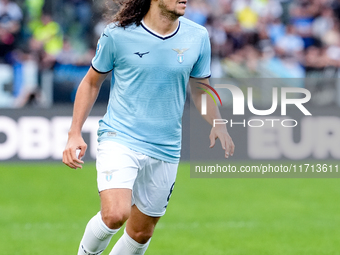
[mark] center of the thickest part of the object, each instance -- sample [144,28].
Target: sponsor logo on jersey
[180,54]
[141,54]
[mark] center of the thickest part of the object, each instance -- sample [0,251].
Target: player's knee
[114,219]
[142,236]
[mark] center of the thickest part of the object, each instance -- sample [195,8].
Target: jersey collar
[163,37]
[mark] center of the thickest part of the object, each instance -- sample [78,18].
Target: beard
[169,14]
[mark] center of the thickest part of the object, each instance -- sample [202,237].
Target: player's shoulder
[112,29]
[192,26]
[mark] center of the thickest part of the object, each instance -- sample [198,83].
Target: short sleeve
[103,61]
[201,68]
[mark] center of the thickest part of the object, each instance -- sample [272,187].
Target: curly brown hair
[130,11]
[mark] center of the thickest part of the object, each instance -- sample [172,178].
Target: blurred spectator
[82,10]
[290,43]
[323,23]
[270,9]
[335,5]
[34,8]
[10,18]
[27,90]
[302,16]
[35,62]
[313,59]
[333,54]
[198,12]
[332,36]
[218,37]
[76,20]
[284,67]
[276,30]
[246,14]
[47,36]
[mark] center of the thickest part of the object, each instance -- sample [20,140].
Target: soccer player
[152,52]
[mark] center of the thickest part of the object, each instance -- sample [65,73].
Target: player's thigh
[153,187]
[115,206]
[117,168]
[139,226]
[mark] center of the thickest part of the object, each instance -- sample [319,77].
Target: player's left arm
[219,131]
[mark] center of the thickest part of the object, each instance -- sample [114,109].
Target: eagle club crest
[180,54]
[108,175]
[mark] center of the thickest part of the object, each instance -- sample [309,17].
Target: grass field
[44,209]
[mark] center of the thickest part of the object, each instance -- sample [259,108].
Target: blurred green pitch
[44,208]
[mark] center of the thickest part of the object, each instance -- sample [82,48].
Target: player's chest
[177,55]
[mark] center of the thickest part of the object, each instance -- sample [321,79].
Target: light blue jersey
[149,82]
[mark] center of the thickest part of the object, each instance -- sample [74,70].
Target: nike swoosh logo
[141,54]
[105,35]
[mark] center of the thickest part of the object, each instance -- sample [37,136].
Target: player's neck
[159,23]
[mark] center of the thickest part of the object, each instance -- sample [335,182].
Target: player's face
[173,8]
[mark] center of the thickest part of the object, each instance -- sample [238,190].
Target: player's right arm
[87,94]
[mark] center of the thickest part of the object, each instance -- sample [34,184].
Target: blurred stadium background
[47,46]
[45,50]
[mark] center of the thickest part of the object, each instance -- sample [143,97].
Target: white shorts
[151,180]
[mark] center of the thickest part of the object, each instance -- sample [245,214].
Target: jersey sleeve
[201,68]
[103,61]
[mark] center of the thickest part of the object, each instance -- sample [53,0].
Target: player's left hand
[220,132]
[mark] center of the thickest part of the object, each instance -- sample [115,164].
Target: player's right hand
[70,157]
[220,132]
